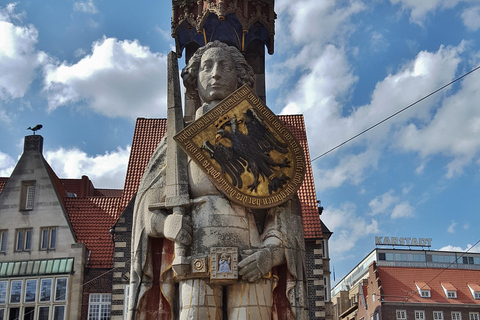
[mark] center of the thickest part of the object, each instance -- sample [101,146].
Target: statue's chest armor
[219,223]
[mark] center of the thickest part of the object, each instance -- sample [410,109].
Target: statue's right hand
[178,228]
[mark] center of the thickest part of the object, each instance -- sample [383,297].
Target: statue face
[217,76]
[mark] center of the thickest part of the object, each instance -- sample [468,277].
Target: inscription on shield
[246,151]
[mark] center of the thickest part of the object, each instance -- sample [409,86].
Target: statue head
[215,71]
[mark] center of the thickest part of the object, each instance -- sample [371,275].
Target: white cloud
[18,57]
[381,203]
[331,19]
[471,18]
[106,171]
[475,249]
[420,9]
[451,227]
[351,169]
[80,52]
[7,164]
[85,7]
[118,79]
[452,131]
[347,226]
[403,210]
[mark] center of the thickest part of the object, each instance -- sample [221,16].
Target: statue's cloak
[153,293]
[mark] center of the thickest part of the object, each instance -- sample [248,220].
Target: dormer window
[450,290]
[425,293]
[475,290]
[423,289]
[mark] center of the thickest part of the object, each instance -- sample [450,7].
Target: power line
[396,113]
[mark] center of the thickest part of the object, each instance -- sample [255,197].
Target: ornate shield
[246,151]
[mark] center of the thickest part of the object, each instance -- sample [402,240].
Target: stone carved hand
[256,265]
[178,228]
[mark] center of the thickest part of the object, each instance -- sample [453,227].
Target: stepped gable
[148,133]
[398,284]
[92,218]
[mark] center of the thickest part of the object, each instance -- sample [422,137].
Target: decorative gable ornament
[246,151]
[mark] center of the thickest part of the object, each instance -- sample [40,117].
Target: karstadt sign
[404,241]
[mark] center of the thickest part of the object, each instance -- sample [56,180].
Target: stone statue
[271,255]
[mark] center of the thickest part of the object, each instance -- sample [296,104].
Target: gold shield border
[243,95]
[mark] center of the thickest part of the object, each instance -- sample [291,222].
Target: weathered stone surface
[262,240]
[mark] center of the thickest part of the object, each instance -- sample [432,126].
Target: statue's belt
[220,265]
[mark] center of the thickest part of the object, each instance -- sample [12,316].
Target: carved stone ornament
[246,151]
[224,264]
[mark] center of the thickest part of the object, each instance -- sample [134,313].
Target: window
[31,290]
[474,316]
[425,293]
[99,306]
[16,291]
[419,315]
[24,240]
[401,314]
[373,297]
[456,315]
[45,290]
[29,313]
[437,315]
[3,292]
[59,313]
[2,314]
[43,313]
[27,195]
[61,289]
[468,260]
[476,295]
[451,294]
[48,238]
[3,241]
[14,314]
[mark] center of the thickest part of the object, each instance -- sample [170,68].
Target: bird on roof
[37,127]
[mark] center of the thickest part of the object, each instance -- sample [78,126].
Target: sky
[86,70]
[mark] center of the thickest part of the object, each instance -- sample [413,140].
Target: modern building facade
[402,284]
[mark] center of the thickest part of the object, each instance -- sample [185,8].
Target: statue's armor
[218,222]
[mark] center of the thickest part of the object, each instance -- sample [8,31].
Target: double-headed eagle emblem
[246,151]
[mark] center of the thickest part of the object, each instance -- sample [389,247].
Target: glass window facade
[34,298]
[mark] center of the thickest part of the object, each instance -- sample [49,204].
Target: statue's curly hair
[244,70]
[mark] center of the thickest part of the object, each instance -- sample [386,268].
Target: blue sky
[87,69]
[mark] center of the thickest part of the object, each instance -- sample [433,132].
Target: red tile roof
[148,133]
[398,284]
[308,198]
[108,193]
[3,181]
[92,218]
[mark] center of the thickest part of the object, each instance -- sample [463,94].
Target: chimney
[33,143]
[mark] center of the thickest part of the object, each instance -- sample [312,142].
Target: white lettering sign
[404,241]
